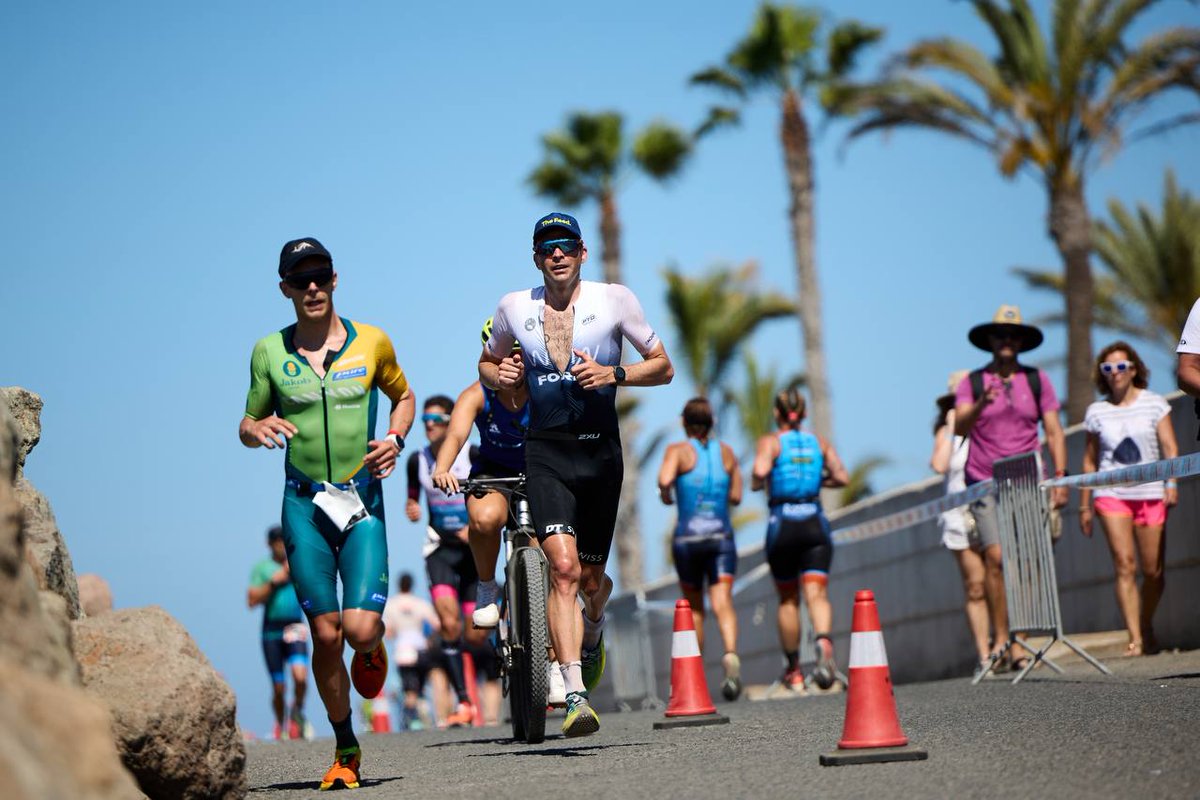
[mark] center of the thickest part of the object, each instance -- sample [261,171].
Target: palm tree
[585,162]
[779,57]
[1152,268]
[714,314]
[755,401]
[1053,109]
[859,486]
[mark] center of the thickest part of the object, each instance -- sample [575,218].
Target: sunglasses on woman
[1112,367]
[301,280]
[570,247]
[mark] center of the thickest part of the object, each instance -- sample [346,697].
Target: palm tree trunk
[628,535]
[797,157]
[1071,226]
[610,238]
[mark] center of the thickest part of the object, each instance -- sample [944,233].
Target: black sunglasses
[569,247]
[301,280]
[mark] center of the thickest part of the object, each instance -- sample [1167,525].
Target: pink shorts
[1144,512]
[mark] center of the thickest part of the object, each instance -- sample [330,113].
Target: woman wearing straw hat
[950,459]
[999,408]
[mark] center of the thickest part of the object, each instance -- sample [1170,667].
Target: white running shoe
[486,616]
[557,695]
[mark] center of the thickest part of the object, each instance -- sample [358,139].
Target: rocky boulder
[173,716]
[26,410]
[95,596]
[27,634]
[56,742]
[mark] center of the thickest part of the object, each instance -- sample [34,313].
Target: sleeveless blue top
[703,496]
[502,432]
[796,473]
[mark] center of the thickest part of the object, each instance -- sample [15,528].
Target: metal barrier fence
[1030,581]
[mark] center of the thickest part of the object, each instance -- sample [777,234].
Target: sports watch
[619,374]
[397,440]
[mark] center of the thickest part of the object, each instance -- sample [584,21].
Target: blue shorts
[318,553]
[705,558]
[277,652]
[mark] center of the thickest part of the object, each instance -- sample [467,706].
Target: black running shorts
[574,486]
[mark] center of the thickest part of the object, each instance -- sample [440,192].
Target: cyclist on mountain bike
[313,386]
[571,332]
[502,417]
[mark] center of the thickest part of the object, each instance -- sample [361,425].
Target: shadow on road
[309,786]
[563,752]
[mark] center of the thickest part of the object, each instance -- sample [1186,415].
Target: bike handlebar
[480,486]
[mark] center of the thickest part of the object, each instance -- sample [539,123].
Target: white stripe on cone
[866,649]
[684,644]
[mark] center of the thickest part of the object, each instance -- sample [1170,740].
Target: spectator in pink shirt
[999,408]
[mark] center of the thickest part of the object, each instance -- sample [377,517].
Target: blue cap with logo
[557,220]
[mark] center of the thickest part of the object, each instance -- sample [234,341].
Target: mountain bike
[522,638]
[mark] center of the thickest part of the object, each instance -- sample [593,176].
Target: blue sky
[155,157]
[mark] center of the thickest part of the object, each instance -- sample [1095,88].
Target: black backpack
[1031,374]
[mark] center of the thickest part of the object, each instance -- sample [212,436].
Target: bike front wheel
[528,644]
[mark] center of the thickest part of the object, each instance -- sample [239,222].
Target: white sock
[573,677]
[485,595]
[592,630]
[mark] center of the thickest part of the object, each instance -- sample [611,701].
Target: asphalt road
[1079,735]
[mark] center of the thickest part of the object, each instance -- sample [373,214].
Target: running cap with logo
[557,220]
[297,250]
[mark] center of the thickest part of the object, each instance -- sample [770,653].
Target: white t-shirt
[407,620]
[954,521]
[1128,435]
[1189,340]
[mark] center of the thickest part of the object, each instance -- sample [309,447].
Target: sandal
[1133,649]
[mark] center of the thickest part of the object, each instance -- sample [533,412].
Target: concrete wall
[918,589]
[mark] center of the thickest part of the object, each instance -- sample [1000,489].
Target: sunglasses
[569,247]
[1111,367]
[301,280]
[435,419]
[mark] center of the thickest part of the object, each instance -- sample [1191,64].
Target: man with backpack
[999,408]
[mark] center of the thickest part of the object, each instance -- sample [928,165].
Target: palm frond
[661,149]
[718,117]
[719,78]
[845,44]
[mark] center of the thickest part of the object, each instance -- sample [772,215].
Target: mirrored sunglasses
[435,419]
[1112,367]
[301,280]
[570,247]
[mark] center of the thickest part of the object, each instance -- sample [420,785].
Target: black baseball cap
[557,219]
[297,250]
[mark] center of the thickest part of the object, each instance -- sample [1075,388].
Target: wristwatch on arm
[619,374]
[396,439]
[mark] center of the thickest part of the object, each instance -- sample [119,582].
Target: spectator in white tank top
[1131,425]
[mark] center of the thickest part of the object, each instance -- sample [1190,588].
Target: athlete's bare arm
[654,370]
[667,473]
[382,455]
[729,460]
[764,457]
[838,476]
[466,408]
[501,374]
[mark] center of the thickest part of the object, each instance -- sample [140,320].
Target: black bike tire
[529,699]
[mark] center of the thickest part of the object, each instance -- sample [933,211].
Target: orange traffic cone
[690,702]
[381,721]
[872,730]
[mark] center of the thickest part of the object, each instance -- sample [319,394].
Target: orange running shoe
[344,770]
[368,671]
[463,716]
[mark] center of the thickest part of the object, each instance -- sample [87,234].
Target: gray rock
[47,544]
[56,742]
[10,445]
[173,715]
[95,596]
[26,634]
[26,409]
